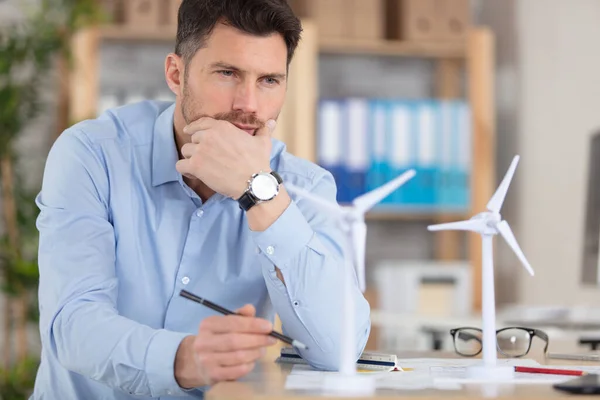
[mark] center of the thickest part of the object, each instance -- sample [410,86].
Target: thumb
[248,310]
[268,129]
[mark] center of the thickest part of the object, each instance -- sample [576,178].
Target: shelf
[326,46]
[393,48]
[159,33]
[415,215]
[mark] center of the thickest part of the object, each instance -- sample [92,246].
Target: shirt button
[185,280]
[270,250]
[199,213]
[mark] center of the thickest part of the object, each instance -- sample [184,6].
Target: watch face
[264,186]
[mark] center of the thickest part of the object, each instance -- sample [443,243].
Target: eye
[271,81]
[227,73]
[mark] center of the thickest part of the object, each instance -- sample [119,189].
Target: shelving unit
[297,121]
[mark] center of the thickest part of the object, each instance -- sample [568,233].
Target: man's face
[236,77]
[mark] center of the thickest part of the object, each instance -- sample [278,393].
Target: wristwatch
[263,186]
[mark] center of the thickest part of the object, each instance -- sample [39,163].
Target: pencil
[224,311]
[553,371]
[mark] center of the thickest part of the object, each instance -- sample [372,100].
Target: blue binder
[329,143]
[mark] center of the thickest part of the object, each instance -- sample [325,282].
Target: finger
[238,357]
[268,129]
[219,374]
[234,341]
[197,136]
[248,310]
[235,323]
[188,149]
[198,125]
[184,167]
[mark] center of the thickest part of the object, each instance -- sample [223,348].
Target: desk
[267,382]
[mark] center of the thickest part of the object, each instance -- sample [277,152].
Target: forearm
[262,216]
[310,306]
[310,302]
[90,338]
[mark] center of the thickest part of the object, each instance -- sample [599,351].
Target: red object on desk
[535,370]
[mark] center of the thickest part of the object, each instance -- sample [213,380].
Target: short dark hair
[197,19]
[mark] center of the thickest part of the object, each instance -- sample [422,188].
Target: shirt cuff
[285,238]
[160,363]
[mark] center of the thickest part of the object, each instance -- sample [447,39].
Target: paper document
[303,377]
[520,378]
[421,373]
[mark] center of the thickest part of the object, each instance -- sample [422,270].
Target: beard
[191,111]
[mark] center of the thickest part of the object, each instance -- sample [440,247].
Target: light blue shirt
[121,234]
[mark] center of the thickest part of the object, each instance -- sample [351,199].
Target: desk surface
[267,382]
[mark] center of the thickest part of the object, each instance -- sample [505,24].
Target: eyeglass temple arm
[544,336]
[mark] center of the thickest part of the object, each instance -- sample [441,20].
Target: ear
[174,73]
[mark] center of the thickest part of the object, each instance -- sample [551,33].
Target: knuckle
[198,345]
[233,341]
[205,324]
[239,356]
[204,359]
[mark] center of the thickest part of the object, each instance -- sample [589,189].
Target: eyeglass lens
[468,341]
[513,342]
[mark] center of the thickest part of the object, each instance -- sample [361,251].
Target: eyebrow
[223,65]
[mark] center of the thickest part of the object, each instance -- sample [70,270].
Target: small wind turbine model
[352,222]
[488,224]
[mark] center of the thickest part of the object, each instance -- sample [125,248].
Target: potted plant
[29,50]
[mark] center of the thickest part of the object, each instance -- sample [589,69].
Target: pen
[553,371]
[224,311]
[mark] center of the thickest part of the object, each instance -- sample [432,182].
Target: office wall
[547,101]
[560,102]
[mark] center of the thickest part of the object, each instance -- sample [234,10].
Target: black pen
[224,311]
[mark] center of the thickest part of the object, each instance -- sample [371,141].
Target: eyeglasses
[511,342]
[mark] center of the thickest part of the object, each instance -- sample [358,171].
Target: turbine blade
[507,234]
[318,201]
[366,201]
[495,203]
[469,225]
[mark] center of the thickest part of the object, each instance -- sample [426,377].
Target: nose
[245,98]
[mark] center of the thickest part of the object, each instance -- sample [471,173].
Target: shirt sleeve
[306,245]
[79,321]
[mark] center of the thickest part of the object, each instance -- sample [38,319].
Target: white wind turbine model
[352,222]
[488,224]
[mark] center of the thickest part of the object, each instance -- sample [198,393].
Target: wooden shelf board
[326,46]
[424,215]
[160,33]
[393,48]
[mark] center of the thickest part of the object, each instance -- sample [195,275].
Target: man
[153,198]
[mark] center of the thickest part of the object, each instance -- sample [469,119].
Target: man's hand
[223,156]
[225,348]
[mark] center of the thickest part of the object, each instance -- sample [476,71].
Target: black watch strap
[246,201]
[277,176]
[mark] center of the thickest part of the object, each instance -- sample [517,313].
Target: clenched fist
[224,156]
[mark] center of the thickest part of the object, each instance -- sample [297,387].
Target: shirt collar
[164,150]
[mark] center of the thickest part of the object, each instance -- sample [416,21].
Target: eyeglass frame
[532,332]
